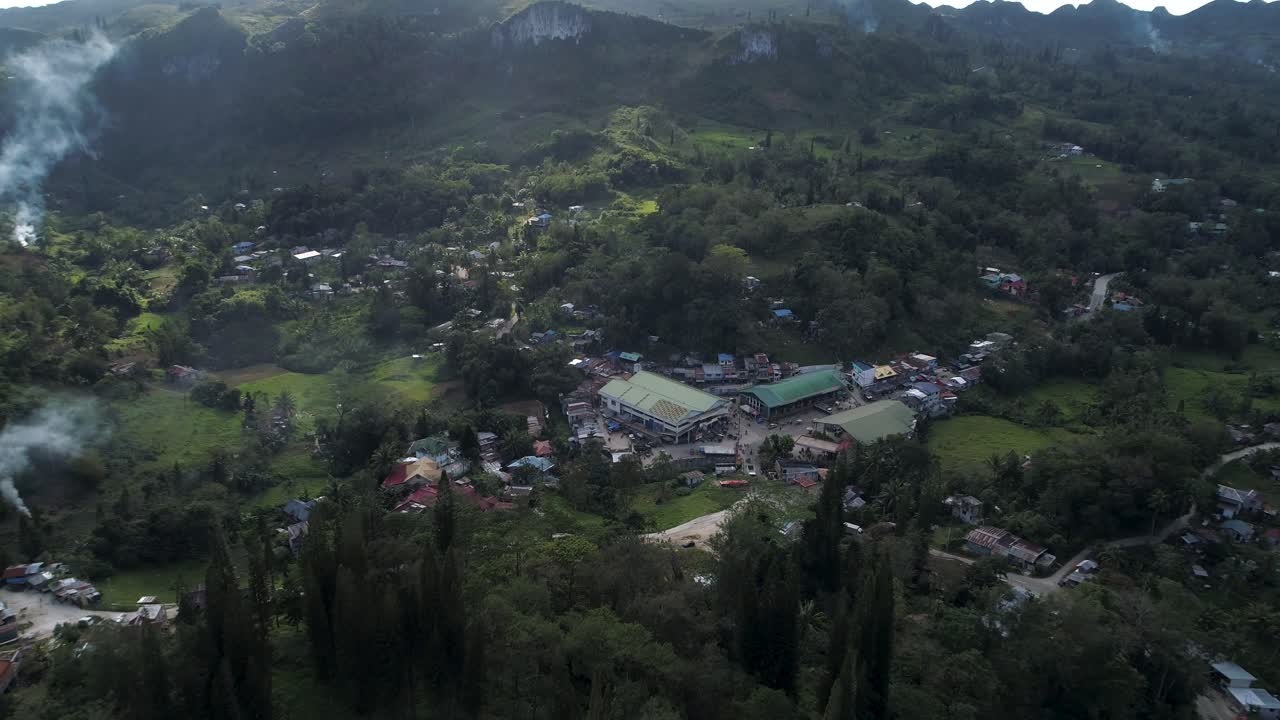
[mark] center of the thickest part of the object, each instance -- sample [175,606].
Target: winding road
[701,529]
[1049,585]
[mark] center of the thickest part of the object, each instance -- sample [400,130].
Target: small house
[784,315]
[1233,502]
[795,473]
[542,448]
[965,508]
[693,478]
[852,500]
[1237,531]
[299,510]
[997,542]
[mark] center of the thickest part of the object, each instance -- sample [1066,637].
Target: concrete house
[1233,502]
[965,508]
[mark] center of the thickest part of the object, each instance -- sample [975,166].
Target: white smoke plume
[60,429]
[50,103]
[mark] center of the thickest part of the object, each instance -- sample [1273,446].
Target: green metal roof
[799,387]
[661,397]
[873,422]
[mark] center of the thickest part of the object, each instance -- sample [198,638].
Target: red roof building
[542,448]
[15,571]
[426,496]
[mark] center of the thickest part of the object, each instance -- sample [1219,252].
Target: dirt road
[699,530]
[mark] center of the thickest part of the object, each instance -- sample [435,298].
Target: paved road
[44,613]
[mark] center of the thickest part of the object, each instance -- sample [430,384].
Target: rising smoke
[59,429]
[51,101]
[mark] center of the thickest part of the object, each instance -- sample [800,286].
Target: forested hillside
[637,359]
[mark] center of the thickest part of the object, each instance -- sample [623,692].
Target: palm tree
[285,405]
[893,496]
[1159,502]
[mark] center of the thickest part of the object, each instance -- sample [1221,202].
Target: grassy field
[964,443]
[124,589]
[1071,396]
[1188,386]
[304,475]
[169,427]
[408,378]
[705,498]
[134,338]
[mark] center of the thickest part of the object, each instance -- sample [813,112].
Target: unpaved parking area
[44,613]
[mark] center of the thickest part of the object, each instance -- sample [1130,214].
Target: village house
[811,448]
[693,478]
[300,510]
[1006,283]
[1237,531]
[928,398]
[804,475]
[1160,185]
[183,375]
[794,394]
[1233,502]
[425,498]
[853,500]
[784,315]
[1236,684]
[412,473]
[671,410]
[995,542]
[965,508]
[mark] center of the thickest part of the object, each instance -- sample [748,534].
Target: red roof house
[542,448]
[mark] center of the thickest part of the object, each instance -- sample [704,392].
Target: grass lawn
[964,443]
[168,427]
[134,338]
[408,378]
[122,590]
[705,499]
[565,519]
[304,475]
[312,394]
[1071,396]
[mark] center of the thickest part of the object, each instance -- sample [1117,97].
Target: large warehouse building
[794,394]
[671,410]
[869,423]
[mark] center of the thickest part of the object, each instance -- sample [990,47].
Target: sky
[1176,7]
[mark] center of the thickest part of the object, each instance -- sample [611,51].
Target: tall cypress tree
[443,514]
[875,644]
[820,556]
